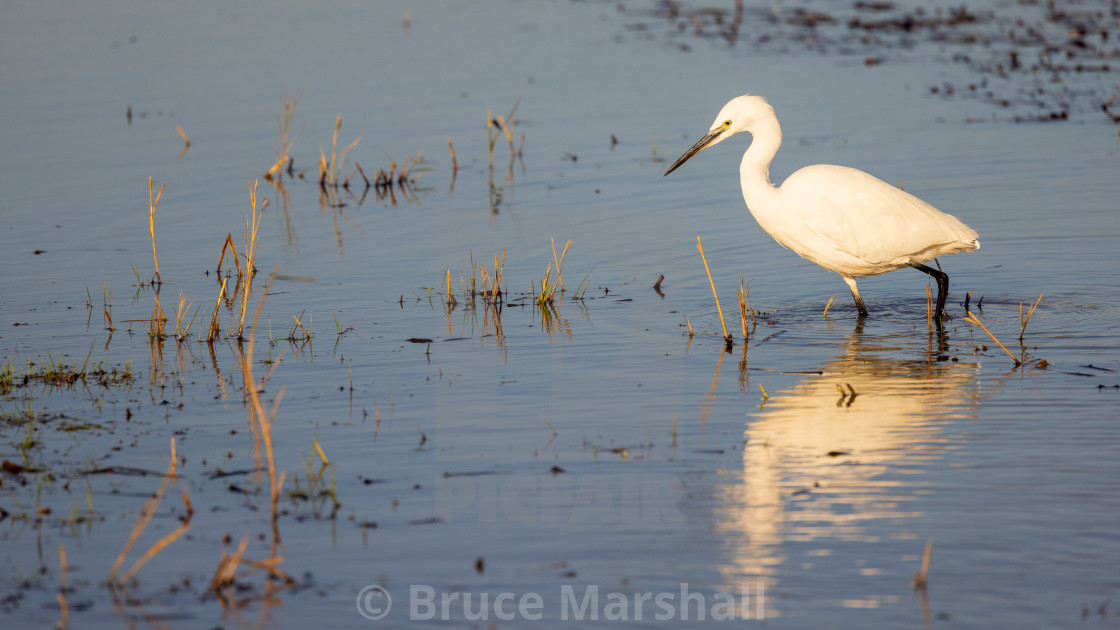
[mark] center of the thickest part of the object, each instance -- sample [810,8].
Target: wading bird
[838,217]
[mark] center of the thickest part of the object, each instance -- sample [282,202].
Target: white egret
[838,217]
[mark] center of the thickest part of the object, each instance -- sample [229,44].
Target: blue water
[598,446]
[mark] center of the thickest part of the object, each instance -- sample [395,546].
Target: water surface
[595,444]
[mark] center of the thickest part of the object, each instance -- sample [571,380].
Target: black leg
[855,295]
[942,286]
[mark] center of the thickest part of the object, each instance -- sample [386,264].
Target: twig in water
[549,425]
[972,319]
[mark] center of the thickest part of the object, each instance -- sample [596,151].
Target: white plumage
[838,217]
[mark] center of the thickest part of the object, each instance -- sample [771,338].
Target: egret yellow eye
[727,123]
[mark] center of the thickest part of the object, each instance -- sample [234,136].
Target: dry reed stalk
[1023,320]
[214,319]
[743,292]
[689,324]
[407,167]
[158,320]
[284,141]
[334,151]
[507,129]
[107,307]
[485,280]
[491,136]
[548,284]
[299,325]
[454,162]
[499,267]
[63,605]
[559,261]
[152,203]
[183,134]
[252,224]
[972,319]
[921,576]
[828,305]
[719,308]
[319,449]
[329,172]
[233,254]
[362,173]
[269,565]
[147,511]
[181,331]
[227,566]
[162,543]
[929,308]
[264,420]
[377,418]
[451,301]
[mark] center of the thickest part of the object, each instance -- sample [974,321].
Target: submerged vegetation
[53,373]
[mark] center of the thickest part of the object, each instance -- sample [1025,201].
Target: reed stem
[700,247]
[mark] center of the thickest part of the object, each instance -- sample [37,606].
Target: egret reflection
[833,454]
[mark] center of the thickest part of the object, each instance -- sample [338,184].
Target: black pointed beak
[704,143]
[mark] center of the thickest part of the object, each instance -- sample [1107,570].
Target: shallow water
[598,444]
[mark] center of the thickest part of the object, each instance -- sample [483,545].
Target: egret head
[739,114]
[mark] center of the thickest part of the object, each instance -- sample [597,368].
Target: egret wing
[859,216]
